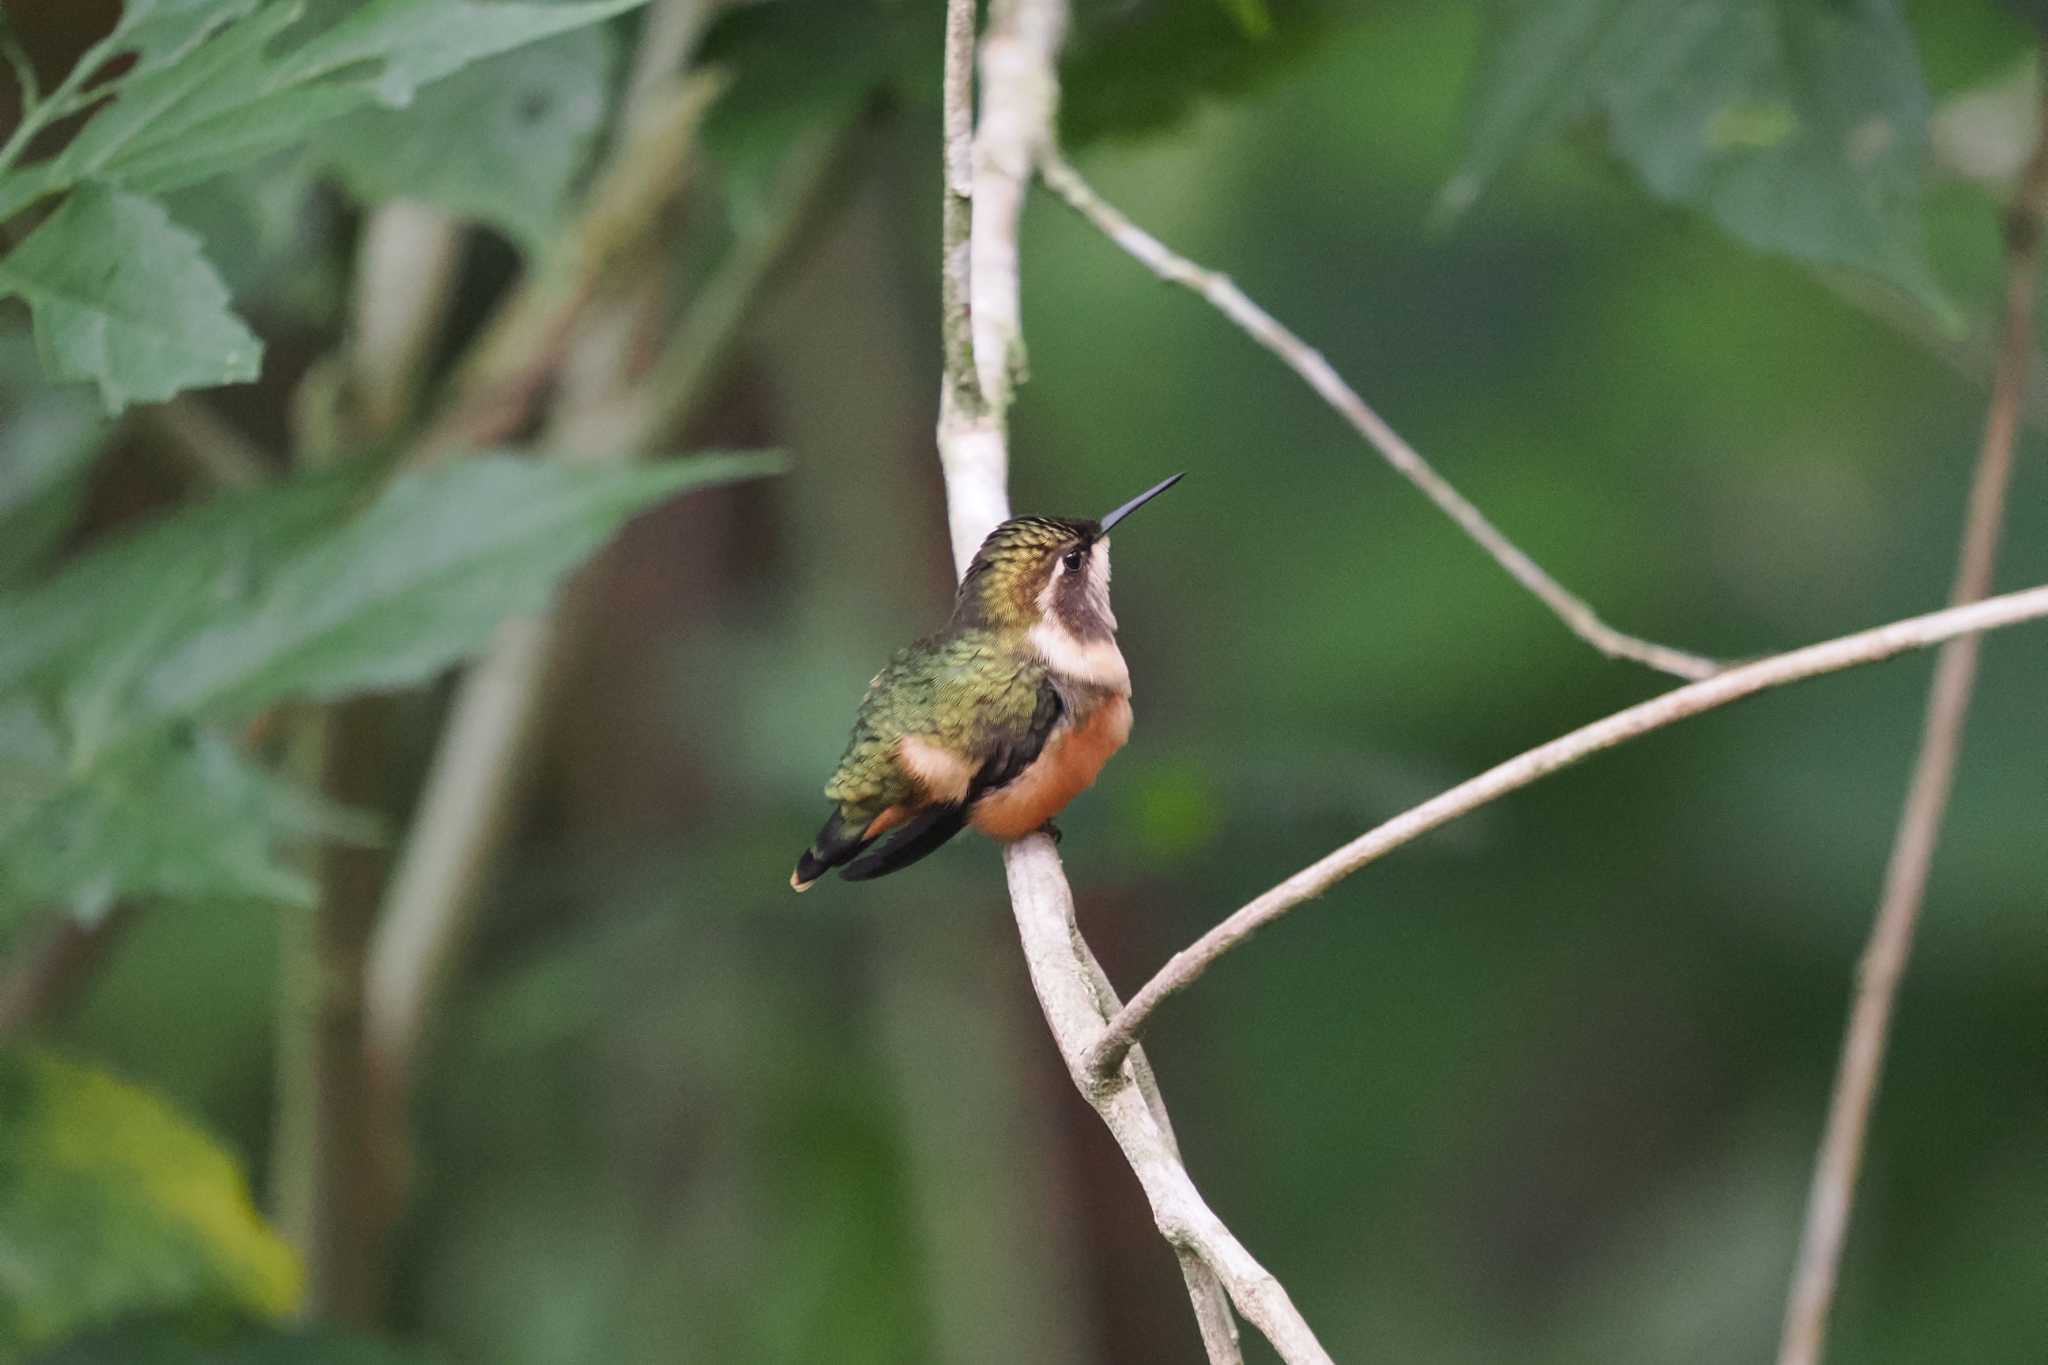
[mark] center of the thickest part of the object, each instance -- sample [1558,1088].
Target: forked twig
[1847,651]
[1263,328]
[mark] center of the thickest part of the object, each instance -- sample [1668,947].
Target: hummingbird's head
[1046,571]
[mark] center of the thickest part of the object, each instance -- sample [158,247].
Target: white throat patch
[1093,663]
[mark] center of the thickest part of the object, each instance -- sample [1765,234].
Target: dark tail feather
[839,841]
[919,836]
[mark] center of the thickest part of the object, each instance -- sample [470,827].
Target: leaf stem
[24,69]
[208,443]
[40,115]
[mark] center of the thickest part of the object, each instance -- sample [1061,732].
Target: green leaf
[159,32]
[108,790]
[802,65]
[266,80]
[278,248]
[157,97]
[122,297]
[112,1204]
[162,1345]
[1130,67]
[47,445]
[1140,67]
[184,818]
[502,142]
[1799,127]
[416,582]
[172,574]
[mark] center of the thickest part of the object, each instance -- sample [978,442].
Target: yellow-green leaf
[112,1204]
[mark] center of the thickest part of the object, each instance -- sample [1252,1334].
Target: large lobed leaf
[163,578]
[260,597]
[1799,127]
[416,581]
[112,1204]
[122,296]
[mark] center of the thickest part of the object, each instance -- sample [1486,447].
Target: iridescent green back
[972,691]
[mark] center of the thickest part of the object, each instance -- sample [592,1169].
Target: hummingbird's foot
[1054,830]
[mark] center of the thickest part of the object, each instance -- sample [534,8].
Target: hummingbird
[998,720]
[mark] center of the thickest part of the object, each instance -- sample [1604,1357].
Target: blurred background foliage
[1543,1088]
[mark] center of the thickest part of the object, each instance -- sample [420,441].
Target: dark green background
[1544,1087]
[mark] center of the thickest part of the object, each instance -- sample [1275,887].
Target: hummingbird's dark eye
[1071,560]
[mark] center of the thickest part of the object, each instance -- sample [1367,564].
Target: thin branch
[24,68]
[345,1194]
[1062,973]
[465,815]
[1213,1317]
[208,442]
[411,249]
[478,776]
[671,33]
[51,975]
[1848,651]
[505,374]
[482,760]
[956,318]
[1224,295]
[337,1184]
[1905,885]
[679,380]
[1019,92]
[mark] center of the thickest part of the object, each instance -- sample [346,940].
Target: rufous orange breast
[1072,756]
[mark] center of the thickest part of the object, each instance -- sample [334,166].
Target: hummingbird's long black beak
[1135,503]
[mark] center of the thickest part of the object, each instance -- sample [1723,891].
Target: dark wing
[916,837]
[1015,755]
[933,826]
[839,840]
